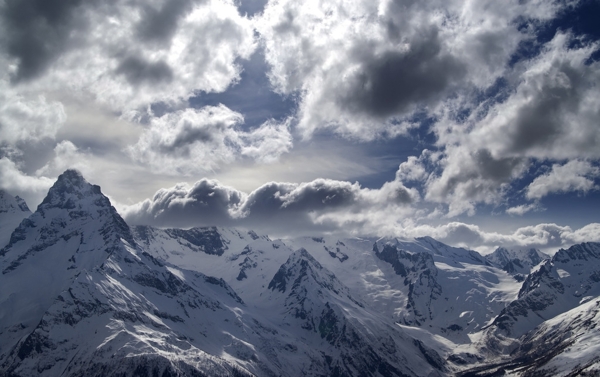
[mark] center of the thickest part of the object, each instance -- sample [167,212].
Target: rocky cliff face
[13,210]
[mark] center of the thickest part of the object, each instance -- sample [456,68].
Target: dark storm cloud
[189,135]
[496,169]
[394,81]
[276,198]
[160,24]
[206,203]
[266,200]
[37,31]
[402,195]
[281,207]
[540,123]
[482,165]
[139,71]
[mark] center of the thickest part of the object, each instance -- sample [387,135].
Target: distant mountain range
[82,293]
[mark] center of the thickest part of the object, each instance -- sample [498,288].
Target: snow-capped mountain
[294,291]
[12,211]
[451,291]
[547,329]
[355,340]
[564,345]
[80,296]
[84,294]
[517,262]
[74,229]
[568,279]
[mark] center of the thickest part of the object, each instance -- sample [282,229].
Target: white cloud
[128,55]
[30,188]
[363,68]
[550,112]
[267,142]
[553,111]
[548,237]
[575,175]
[413,169]
[34,187]
[333,207]
[521,209]
[200,140]
[66,156]
[26,118]
[469,178]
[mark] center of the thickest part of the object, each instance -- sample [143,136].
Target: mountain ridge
[85,294]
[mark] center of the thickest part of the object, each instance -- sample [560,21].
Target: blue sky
[476,123]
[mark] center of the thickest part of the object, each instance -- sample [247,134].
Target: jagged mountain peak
[75,229]
[69,190]
[439,250]
[70,205]
[8,203]
[304,281]
[299,265]
[583,251]
[12,211]
[502,256]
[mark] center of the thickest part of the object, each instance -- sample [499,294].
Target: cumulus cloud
[366,69]
[126,55]
[462,178]
[339,207]
[34,186]
[574,175]
[207,202]
[548,237]
[66,156]
[553,111]
[282,208]
[363,68]
[549,112]
[30,188]
[26,118]
[199,140]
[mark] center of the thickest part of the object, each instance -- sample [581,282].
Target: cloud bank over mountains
[499,102]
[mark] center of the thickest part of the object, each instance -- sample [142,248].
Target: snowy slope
[74,229]
[133,313]
[353,339]
[421,282]
[12,211]
[566,345]
[560,284]
[294,292]
[245,260]
[453,290]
